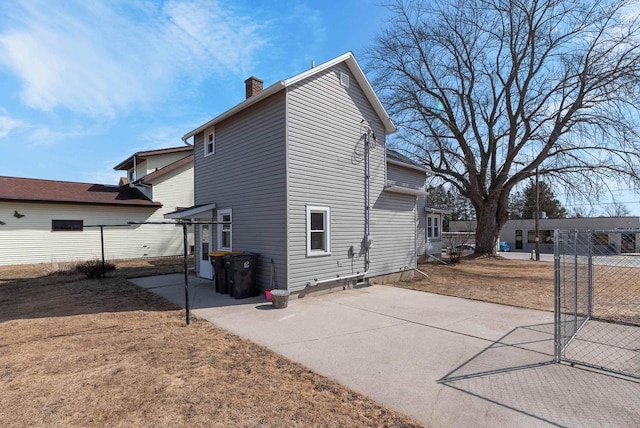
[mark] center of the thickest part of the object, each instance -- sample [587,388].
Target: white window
[318,231]
[210,143]
[224,230]
[433,226]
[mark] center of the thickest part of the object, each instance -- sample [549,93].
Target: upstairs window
[67,225]
[210,143]
[318,231]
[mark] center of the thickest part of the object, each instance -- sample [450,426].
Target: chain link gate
[597,299]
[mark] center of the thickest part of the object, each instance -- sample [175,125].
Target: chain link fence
[597,292]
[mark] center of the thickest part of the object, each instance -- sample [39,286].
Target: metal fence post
[590,274]
[556,316]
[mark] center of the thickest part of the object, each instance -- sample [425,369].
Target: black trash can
[241,271]
[219,271]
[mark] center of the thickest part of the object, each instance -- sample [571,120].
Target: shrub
[93,268]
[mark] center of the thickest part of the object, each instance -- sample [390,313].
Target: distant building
[520,234]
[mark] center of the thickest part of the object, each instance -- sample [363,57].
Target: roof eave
[276,87]
[191,212]
[406,165]
[351,62]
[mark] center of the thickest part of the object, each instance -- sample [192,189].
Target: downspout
[317,282]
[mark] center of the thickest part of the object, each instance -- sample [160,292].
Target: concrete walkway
[446,362]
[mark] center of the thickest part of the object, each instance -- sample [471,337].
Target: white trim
[356,71]
[198,211]
[210,133]
[404,190]
[434,227]
[430,210]
[221,228]
[406,165]
[327,230]
[344,79]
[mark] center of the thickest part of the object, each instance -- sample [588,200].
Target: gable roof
[147,179]
[140,156]
[348,58]
[36,190]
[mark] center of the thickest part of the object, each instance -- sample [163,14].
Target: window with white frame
[210,142]
[224,230]
[433,226]
[318,231]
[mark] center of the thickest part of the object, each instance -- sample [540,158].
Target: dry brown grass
[521,283]
[530,284]
[78,352]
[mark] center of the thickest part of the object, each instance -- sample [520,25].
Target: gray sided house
[285,171]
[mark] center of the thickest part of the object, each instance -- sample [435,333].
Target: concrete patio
[445,361]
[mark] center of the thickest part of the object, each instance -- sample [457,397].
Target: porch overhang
[196,211]
[431,210]
[404,190]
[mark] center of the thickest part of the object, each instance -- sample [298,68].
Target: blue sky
[85,84]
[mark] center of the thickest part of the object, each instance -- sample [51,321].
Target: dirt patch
[78,352]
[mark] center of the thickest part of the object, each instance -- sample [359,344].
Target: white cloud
[8,124]
[101,58]
[43,135]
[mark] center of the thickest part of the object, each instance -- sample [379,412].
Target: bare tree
[616,209]
[489,93]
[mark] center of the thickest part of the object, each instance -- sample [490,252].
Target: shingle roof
[36,190]
[147,179]
[128,162]
[394,156]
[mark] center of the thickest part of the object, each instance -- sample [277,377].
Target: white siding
[30,239]
[247,174]
[326,168]
[156,162]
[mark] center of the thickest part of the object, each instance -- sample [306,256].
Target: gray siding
[247,174]
[405,177]
[326,168]
[421,227]
[394,232]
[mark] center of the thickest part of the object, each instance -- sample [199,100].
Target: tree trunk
[491,217]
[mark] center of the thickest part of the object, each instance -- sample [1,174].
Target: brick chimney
[253,86]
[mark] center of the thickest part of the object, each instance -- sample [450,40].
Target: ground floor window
[318,230]
[67,225]
[225,230]
[433,226]
[546,236]
[600,239]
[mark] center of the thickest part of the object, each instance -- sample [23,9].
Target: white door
[204,240]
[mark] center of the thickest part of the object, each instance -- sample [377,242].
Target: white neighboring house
[44,221]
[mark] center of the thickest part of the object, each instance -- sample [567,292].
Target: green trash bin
[241,271]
